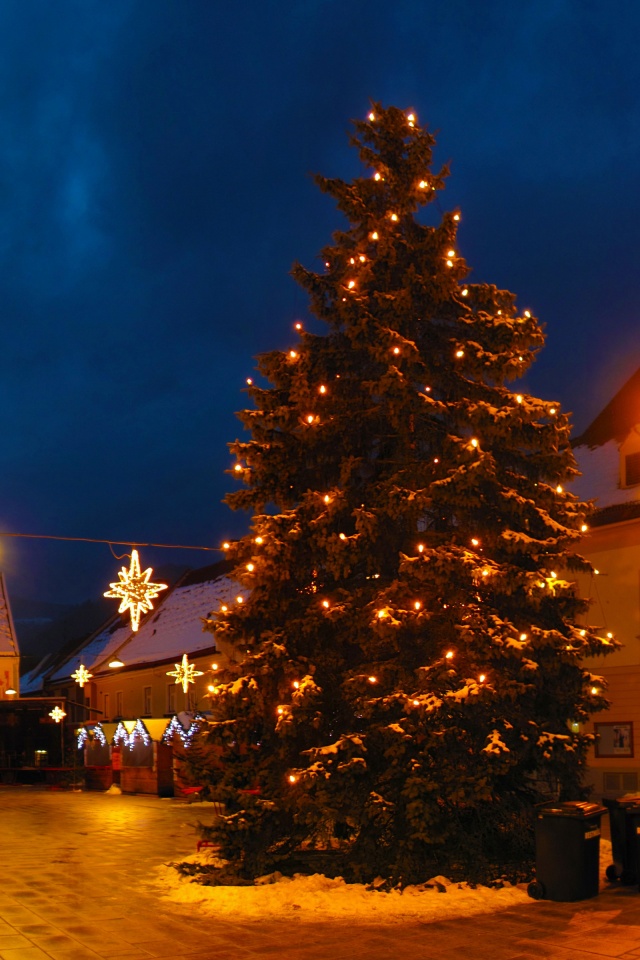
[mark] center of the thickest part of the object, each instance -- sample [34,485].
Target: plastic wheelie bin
[624,840]
[567,851]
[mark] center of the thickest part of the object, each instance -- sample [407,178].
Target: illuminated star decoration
[81,676]
[134,590]
[57,714]
[185,672]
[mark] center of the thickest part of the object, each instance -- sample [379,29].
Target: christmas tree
[406,676]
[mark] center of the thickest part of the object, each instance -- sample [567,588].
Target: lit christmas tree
[407,660]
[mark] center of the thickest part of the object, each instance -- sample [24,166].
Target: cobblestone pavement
[74,865]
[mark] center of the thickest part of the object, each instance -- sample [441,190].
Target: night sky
[155,188]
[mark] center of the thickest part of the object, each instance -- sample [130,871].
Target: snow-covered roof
[174,627]
[600,480]
[8,639]
[619,416]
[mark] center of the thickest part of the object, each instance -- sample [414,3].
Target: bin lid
[571,808]
[628,801]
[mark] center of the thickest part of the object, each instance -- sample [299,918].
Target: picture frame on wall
[614,739]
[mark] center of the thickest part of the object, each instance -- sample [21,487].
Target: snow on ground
[309,898]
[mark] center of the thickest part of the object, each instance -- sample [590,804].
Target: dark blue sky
[155,188]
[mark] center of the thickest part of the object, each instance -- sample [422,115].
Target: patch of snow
[114,789]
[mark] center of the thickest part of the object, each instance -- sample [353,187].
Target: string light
[552,411]
[527,314]
[322,388]
[249,381]
[465,292]
[372,117]
[372,679]
[238,468]
[559,488]
[239,599]
[420,547]
[423,184]
[451,253]
[259,540]
[482,678]
[296,685]
[351,284]
[584,528]
[411,119]
[417,604]
[475,542]
[135,590]
[298,326]
[327,498]
[310,418]
[342,536]
[250,567]
[459,353]
[292,778]
[374,235]
[394,217]
[523,637]
[594,690]
[224,608]
[396,350]
[519,398]
[474,442]
[292,354]
[377,176]
[449,655]
[325,604]
[456,216]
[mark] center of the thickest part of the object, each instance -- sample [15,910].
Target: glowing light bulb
[519,358]
[594,690]
[394,217]
[552,411]
[292,354]
[298,326]
[292,778]
[475,542]
[239,599]
[342,536]
[427,389]
[420,547]
[238,468]
[519,398]
[584,528]
[449,263]
[377,176]
[372,679]
[474,442]
[559,488]
[381,614]
[482,678]
[451,253]
[296,685]
[352,261]
[259,540]
[224,608]
[456,216]
[465,292]
[527,314]
[449,655]
[416,703]
[436,460]
[226,545]
[485,572]
[610,636]
[411,119]
[327,498]
[583,633]
[372,116]
[280,710]
[459,353]
[250,567]
[553,574]
[249,381]
[423,184]
[310,418]
[214,666]
[597,572]
[374,235]
[523,637]
[396,350]
[325,604]
[417,605]
[351,284]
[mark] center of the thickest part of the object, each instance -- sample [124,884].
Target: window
[632,469]
[106,715]
[171,698]
[119,711]
[147,702]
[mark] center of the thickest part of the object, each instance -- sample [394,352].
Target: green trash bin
[624,841]
[567,851]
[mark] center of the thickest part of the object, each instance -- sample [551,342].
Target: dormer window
[632,469]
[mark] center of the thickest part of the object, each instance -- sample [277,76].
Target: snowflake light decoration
[57,714]
[81,675]
[134,590]
[185,672]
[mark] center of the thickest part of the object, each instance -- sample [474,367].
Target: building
[608,455]
[131,685]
